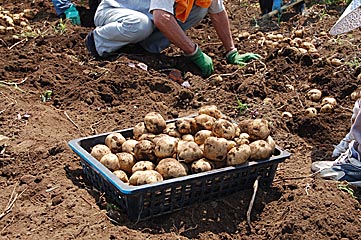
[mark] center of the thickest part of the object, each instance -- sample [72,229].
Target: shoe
[343,145]
[90,45]
[347,167]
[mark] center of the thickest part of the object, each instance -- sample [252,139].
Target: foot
[347,167]
[90,45]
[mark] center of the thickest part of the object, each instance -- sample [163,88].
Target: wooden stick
[255,188]
[274,12]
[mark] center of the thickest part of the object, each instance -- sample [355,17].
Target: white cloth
[349,20]
[355,130]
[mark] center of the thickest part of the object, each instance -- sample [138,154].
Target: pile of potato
[160,150]
[9,22]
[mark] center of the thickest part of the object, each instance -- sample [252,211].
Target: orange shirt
[184,7]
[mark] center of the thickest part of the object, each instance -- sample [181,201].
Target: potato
[237,130]
[166,146]
[327,108]
[238,155]
[286,115]
[242,139]
[126,161]
[355,95]
[188,151]
[257,129]
[188,138]
[224,129]
[216,149]
[99,150]
[145,177]
[142,166]
[171,168]
[114,142]
[201,136]
[186,125]
[110,161]
[202,165]
[329,100]
[121,175]
[139,130]
[144,150]
[205,121]
[260,149]
[158,137]
[210,110]
[311,112]
[147,136]
[154,123]
[271,143]
[171,130]
[314,95]
[128,145]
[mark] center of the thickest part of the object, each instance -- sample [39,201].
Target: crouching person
[155,24]
[347,166]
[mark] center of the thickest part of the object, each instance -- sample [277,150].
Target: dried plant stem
[14,196]
[71,120]
[255,188]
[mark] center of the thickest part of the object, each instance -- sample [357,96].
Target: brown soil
[57,202]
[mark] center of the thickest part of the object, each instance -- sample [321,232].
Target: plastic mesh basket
[151,200]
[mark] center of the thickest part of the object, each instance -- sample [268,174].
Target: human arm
[167,24]
[221,25]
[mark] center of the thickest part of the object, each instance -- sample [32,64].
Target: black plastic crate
[151,200]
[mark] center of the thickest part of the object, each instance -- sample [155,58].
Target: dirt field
[55,201]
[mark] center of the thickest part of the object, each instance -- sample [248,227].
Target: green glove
[73,15]
[233,57]
[203,61]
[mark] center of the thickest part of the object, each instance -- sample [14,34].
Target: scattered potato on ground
[329,100]
[171,168]
[311,112]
